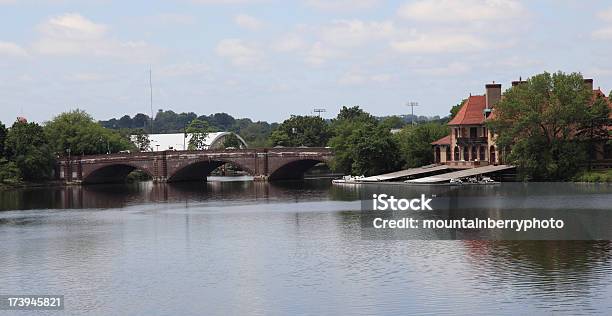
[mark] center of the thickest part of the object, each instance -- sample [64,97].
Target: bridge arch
[294,169]
[112,173]
[200,169]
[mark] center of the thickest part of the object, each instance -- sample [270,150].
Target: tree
[76,130]
[593,130]
[3,132]
[27,146]
[232,140]
[392,122]
[142,141]
[199,131]
[415,143]
[373,150]
[536,123]
[9,172]
[309,131]
[361,145]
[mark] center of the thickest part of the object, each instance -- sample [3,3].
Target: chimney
[588,83]
[493,94]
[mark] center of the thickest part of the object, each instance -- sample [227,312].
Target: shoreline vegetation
[549,127]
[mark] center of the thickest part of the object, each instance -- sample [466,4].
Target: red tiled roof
[446,140]
[471,111]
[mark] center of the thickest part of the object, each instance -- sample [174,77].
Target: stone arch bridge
[175,166]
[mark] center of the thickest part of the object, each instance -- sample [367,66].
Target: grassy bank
[594,176]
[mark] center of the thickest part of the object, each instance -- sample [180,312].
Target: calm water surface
[231,248]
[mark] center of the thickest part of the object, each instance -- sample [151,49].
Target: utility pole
[412,105]
[151,96]
[319,111]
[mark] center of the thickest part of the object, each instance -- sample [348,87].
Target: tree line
[548,127]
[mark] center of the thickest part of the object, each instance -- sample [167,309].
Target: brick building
[471,144]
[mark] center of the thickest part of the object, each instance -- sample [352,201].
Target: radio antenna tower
[151,96]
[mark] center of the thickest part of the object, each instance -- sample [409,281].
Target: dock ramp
[405,173]
[446,177]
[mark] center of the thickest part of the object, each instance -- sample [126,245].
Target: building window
[448,153]
[473,132]
[482,153]
[466,154]
[456,153]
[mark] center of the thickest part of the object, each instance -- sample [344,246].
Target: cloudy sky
[268,59]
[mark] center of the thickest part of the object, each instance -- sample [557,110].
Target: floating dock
[446,177]
[405,173]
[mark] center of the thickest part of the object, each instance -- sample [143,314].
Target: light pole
[412,105]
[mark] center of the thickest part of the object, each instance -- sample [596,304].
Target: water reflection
[281,248]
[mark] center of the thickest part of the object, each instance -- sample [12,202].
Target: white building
[180,141]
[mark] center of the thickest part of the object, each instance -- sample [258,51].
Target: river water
[234,248]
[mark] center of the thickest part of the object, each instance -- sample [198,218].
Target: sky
[269,59]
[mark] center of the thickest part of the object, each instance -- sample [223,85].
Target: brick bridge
[174,166]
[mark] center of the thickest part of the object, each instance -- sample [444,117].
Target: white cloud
[605,15]
[462,10]
[455,68]
[358,78]
[11,49]
[72,26]
[248,22]
[173,19]
[342,5]
[184,69]
[356,32]
[73,34]
[86,77]
[239,52]
[439,43]
[289,43]
[319,54]
[603,34]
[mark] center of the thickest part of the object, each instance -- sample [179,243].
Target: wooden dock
[405,173]
[446,177]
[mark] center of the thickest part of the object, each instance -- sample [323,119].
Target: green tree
[310,131]
[361,144]
[142,141]
[27,146]
[536,123]
[392,122]
[232,140]
[3,132]
[76,130]
[199,131]
[415,143]
[593,130]
[9,172]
